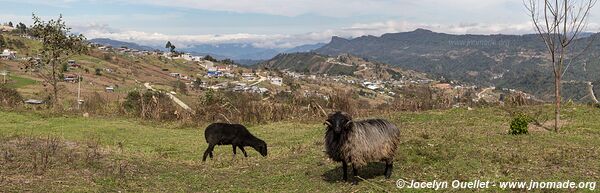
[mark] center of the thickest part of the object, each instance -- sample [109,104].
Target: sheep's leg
[345,169]
[389,166]
[208,152]
[243,151]
[234,151]
[355,174]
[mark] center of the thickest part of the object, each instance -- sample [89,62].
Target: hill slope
[510,61]
[343,64]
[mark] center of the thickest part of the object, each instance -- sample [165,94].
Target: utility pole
[4,73]
[79,79]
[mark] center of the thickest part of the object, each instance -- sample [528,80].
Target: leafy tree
[10,24]
[58,43]
[64,67]
[210,58]
[180,87]
[197,83]
[22,28]
[170,46]
[227,61]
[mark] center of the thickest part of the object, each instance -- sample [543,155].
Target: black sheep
[231,134]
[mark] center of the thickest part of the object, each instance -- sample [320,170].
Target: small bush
[150,105]
[519,124]
[9,97]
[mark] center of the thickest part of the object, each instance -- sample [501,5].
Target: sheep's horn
[348,123]
[327,123]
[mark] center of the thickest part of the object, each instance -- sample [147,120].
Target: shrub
[2,42]
[519,124]
[9,97]
[180,87]
[150,105]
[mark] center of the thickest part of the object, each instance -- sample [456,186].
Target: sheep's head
[338,121]
[261,147]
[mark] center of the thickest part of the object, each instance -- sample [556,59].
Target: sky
[273,23]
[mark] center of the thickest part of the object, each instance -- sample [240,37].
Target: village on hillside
[117,70]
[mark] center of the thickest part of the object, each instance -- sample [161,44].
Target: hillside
[344,64]
[506,61]
[101,69]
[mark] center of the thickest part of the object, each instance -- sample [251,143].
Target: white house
[187,57]
[5,28]
[8,55]
[248,76]
[276,81]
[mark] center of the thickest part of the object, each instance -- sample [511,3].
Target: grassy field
[58,154]
[20,82]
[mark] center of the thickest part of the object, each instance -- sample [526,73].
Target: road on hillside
[591,92]
[479,95]
[262,78]
[171,96]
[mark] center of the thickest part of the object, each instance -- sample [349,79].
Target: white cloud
[286,41]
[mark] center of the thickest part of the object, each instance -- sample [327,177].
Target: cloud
[287,41]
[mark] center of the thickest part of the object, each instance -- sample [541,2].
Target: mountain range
[506,61]
[118,44]
[246,53]
[240,51]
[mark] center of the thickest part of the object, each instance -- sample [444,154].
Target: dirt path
[171,96]
[262,78]
[483,91]
[591,91]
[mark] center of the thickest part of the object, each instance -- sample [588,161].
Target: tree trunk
[54,84]
[557,87]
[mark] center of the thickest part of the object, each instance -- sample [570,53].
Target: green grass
[20,82]
[437,145]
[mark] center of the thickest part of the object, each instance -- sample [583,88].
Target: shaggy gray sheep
[360,142]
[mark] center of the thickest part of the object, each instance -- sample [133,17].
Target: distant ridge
[118,44]
[247,52]
[504,61]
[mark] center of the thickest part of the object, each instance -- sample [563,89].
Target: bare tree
[57,44]
[560,23]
